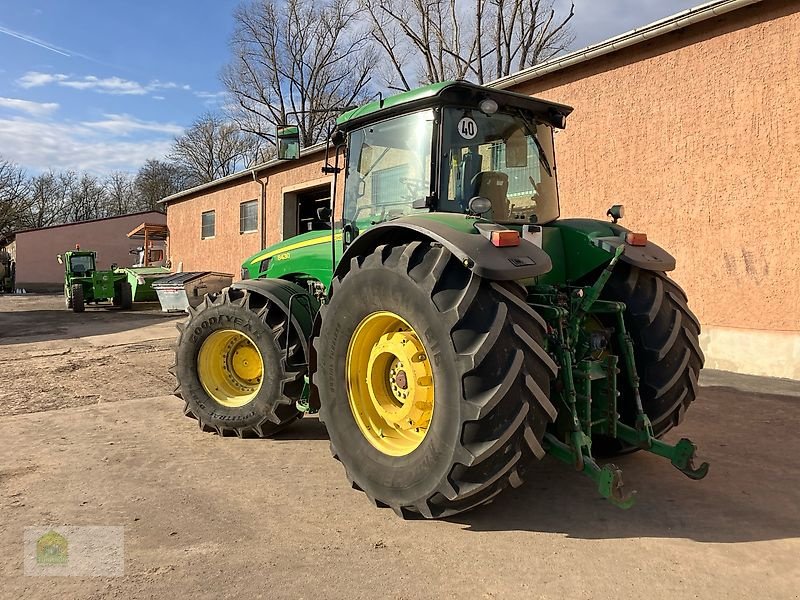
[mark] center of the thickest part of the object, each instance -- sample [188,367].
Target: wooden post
[146,261]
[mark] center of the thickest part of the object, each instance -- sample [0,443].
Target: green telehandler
[84,284]
[448,327]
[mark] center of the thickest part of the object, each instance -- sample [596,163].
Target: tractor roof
[459,93]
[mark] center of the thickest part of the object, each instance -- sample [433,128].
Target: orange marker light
[636,239]
[505,237]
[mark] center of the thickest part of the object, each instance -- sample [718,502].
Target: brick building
[35,250]
[692,122]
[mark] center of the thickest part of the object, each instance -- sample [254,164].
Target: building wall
[36,251]
[697,133]
[228,249]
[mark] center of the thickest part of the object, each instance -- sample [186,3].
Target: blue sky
[102,86]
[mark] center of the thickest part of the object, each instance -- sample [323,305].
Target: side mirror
[59,259]
[288,138]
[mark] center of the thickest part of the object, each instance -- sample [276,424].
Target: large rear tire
[666,346]
[476,397]
[78,304]
[230,363]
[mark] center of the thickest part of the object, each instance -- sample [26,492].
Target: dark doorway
[300,210]
[308,203]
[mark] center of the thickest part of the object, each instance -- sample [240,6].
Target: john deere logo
[51,549]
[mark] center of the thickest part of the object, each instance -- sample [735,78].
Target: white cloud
[123,125]
[201,94]
[212,99]
[104,85]
[36,79]
[108,85]
[97,147]
[36,109]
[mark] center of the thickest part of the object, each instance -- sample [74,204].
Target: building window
[208,224]
[248,216]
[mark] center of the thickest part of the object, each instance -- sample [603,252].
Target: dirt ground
[92,436]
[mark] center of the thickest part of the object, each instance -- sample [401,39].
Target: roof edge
[652,30]
[133,214]
[305,152]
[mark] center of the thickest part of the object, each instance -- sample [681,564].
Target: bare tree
[299,61]
[87,199]
[14,197]
[119,193]
[426,41]
[155,180]
[50,198]
[212,148]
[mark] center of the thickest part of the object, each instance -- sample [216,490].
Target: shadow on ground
[41,325]
[751,493]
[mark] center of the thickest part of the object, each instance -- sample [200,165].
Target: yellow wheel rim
[230,368]
[390,383]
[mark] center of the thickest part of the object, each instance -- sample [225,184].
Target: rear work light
[503,238]
[636,239]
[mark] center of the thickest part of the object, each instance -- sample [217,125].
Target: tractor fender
[650,257]
[304,307]
[474,250]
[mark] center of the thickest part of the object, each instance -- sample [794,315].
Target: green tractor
[448,327]
[84,284]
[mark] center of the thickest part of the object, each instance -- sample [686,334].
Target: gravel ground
[91,436]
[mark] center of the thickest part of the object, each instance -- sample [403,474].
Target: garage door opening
[301,210]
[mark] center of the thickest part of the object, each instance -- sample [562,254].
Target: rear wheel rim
[230,368]
[390,384]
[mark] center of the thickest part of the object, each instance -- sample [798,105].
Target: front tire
[481,417]
[230,363]
[78,304]
[126,296]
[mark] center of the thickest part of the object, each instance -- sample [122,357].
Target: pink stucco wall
[697,133]
[36,251]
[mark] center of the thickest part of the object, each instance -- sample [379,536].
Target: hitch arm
[608,477]
[681,455]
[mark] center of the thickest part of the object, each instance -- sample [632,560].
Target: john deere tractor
[448,327]
[83,283]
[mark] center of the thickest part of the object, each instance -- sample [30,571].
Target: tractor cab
[498,165]
[80,264]
[452,147]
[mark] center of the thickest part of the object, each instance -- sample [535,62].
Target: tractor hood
[305,240]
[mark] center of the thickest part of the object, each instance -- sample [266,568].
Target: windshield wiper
[542,155]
